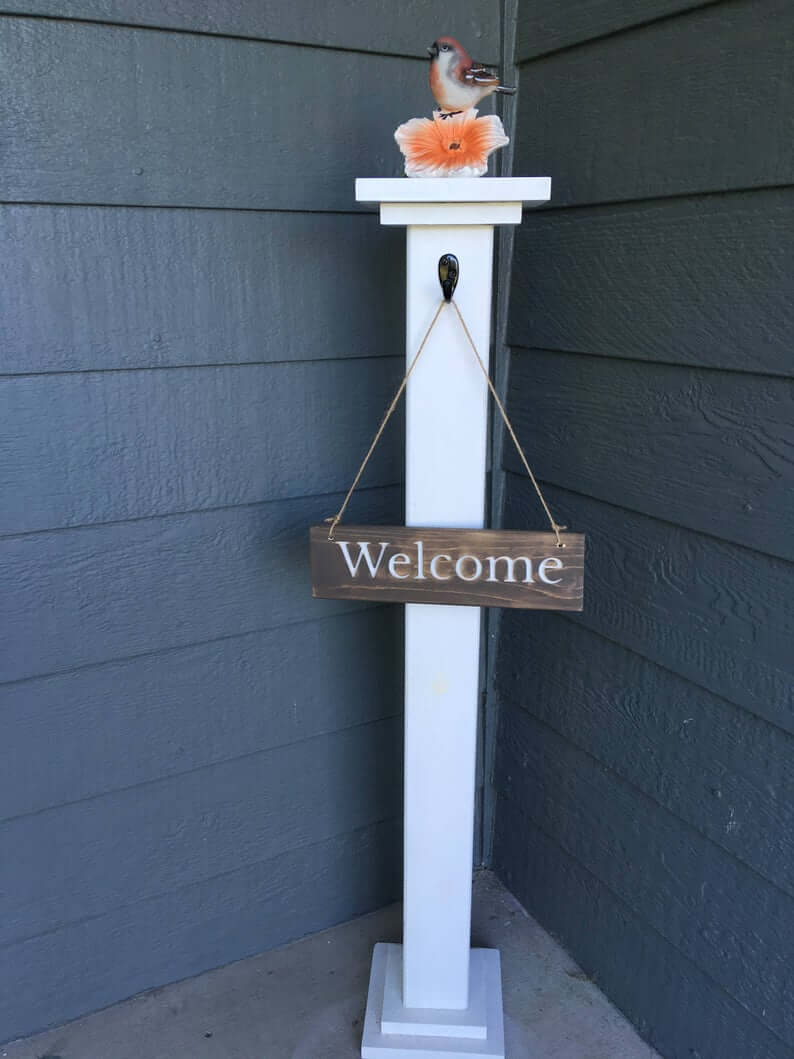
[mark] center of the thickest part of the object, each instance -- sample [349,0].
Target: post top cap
[532,191]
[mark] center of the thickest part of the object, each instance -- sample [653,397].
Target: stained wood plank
[702,281]
[196,825]
[733,925]
[195,706]
[465,567]
[719,615]
[704,83]
[676,1007]
[87,287]
[547,25]
[361,24]
[708,450]
[708,762]
[106,446]
[78,597]
[190,120]
[104,958]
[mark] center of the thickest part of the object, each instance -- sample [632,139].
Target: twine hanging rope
[337,517]
[335,520]
[554,525]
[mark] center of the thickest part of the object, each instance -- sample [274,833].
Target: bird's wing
[480,75]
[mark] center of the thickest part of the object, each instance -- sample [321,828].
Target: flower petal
[456,145]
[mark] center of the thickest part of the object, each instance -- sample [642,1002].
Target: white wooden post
[434,995]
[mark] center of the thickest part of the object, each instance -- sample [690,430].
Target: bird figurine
[456,82]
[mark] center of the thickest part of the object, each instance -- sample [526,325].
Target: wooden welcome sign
[478,568]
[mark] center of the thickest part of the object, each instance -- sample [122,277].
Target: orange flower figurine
[453,145]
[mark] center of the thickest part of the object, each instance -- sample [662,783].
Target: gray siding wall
[198,333]
[645,757]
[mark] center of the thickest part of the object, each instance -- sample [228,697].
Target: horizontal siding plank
[78,597]
[128,116]
[592,107]
[88,965]
[710,763]
[676,1007]
[547,25]
[708,450]
[733,925]
[195,706]
[106,446]
[94,288]
[86,859]
[366,25]
[719,615]
[703,281]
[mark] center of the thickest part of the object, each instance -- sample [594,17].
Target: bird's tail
[507,91]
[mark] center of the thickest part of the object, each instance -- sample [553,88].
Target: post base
[397,1032]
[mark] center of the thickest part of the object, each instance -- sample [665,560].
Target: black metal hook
[448,273]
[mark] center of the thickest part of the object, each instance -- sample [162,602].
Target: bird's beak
[432,51]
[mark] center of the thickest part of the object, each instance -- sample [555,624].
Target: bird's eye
[445,47]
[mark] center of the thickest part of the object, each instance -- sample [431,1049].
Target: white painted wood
[446,441]
[447,396]
[409,213]
[471,1022]
[441,690]
[376,1044]
[532,191]
[446,424]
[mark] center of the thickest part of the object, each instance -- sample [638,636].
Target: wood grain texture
[195,706]
[547,25]
[676,1007]
[360,24]
[706,761]
[492,573]
[197,825]
[176,934]
[78,597]
[95,288]
[734,926]
[719,615]
[708,450]
[129,116]
[702,281]
[702,102]
[106,446]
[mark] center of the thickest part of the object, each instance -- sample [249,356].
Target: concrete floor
[306,1000]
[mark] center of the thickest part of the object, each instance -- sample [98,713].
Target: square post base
[426,1033]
